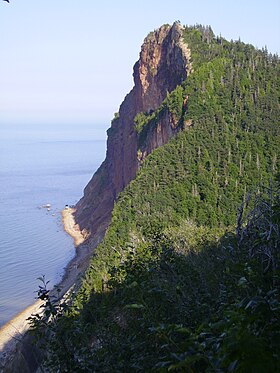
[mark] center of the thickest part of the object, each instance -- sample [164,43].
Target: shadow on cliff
[117,327]
[163,306]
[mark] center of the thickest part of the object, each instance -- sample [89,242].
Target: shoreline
[12,332]
[71,227]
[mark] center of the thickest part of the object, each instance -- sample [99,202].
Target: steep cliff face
[163,64]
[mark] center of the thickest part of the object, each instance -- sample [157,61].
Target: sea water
[39,165]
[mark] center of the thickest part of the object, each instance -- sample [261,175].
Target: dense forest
[187,276]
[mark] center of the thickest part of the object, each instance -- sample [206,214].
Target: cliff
[172,277]
[163,64]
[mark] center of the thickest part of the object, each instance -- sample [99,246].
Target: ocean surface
[40,165]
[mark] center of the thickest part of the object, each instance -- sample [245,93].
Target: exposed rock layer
[163,64]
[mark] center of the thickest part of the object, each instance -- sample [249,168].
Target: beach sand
[13,331]
[71,227]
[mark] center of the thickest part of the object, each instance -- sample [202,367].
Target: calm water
[40,165]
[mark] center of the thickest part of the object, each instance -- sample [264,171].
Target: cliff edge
[164,63]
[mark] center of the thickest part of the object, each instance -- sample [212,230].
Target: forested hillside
[187,276]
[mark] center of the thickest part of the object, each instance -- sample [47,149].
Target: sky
[66,61]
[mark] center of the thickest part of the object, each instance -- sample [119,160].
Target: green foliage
[172,287]
[175,102]
[140,121]
[188,299]
[53,320]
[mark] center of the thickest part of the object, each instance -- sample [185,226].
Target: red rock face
[163,64]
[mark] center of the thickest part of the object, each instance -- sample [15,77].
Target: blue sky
[69,61]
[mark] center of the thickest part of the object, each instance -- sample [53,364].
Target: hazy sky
[71,60]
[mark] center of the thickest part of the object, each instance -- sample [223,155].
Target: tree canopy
[187,276]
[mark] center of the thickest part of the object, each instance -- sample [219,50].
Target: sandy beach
[71,227]
[13,331]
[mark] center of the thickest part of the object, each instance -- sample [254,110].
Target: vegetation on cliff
[187,276]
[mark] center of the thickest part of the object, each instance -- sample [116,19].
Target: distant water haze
[40,165]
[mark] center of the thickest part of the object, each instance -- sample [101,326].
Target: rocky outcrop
[158,135]
[163,64]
